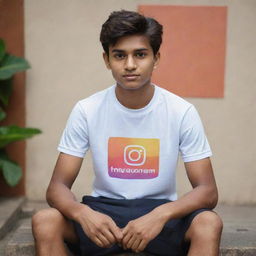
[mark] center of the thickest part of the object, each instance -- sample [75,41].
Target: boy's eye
[140,54]
[119,56]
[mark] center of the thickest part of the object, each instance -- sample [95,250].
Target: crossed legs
[50,229]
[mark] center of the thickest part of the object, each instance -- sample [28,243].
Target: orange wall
[12,31]
[193,51]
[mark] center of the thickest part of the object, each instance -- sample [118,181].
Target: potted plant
[9,65]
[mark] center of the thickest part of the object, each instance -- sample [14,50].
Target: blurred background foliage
[9,65]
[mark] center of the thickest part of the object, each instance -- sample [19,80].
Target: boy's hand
[100,228]
[139,232]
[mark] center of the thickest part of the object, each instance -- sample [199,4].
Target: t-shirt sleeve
[193,143]
[74,140]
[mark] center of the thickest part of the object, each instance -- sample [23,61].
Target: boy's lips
[131,76]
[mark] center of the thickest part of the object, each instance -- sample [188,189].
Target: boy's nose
[130,63]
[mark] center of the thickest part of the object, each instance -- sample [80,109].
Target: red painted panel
[12,31]
[193,50]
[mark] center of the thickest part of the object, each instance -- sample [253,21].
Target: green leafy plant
[9,65]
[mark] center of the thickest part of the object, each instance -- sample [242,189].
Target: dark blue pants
[170,241]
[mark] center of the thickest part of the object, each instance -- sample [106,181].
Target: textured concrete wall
[62,46]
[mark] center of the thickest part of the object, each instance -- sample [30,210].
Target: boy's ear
[157,59]
[106,60]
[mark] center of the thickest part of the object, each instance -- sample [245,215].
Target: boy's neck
[135,99]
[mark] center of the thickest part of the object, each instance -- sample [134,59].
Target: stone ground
[239,234]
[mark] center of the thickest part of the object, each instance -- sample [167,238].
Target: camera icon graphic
[134,155]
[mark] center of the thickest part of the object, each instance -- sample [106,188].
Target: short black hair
[123,23]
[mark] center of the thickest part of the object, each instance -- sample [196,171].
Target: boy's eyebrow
[136,50]
[141,49]
[117,50]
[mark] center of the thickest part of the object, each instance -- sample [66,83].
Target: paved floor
[239,226]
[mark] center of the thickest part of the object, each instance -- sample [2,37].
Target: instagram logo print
[134,155]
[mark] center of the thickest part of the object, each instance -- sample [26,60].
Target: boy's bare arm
[204,194]
[59,193]
[100,228]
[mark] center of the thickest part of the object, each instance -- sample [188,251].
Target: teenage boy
[135,131]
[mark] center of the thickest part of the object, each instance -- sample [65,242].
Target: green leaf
[5,90]
[13,133]
[3,156]
[2,49]
[2,115]
[11,171]
[12,64]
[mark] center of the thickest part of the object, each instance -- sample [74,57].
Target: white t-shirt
[135,151]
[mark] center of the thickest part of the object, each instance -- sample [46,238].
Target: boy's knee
[206,224]
[45,223]
[210,220]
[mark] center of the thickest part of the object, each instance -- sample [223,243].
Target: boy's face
[131,61]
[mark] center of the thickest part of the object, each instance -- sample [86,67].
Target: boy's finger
[136,244]
[131,241]
[117,233]
[125,240]
[141,246]
[125,231]
[110,237]
[97,241]
[103,240]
